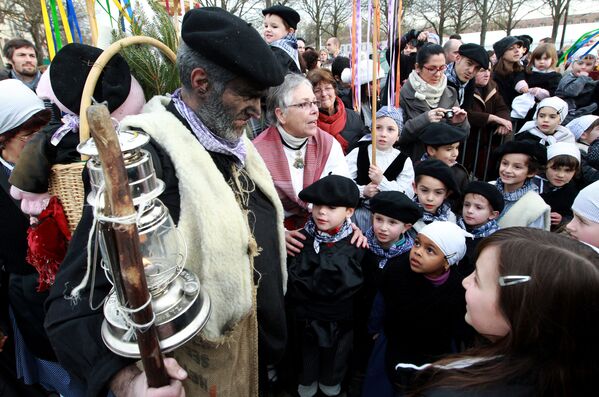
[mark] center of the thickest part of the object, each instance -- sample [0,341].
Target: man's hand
[358,238]
[131,382]
[459,115]
[292,241]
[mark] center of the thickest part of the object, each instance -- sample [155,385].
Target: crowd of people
[453,249]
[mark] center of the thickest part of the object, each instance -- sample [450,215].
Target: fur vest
[211,220]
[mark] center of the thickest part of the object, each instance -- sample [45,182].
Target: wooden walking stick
[123,237]
[375,70]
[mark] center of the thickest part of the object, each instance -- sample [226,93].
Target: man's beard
[29,72]
[217,117]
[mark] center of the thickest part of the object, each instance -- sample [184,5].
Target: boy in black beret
[389,245]
[323,280]
[442,142]
[434,183]
[482,205]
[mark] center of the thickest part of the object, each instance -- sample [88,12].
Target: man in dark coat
[198,145]
[21,57]
[460,74]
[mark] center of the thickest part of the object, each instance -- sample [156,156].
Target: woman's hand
[358,238]
[375,174]
[370,190]
[436,115]
[504,126]
[292,241]
[459,115]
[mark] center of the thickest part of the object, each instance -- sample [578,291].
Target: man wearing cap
[461,73]
[223,200]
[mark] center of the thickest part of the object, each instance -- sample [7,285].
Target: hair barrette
[504,281]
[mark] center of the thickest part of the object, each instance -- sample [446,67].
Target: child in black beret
[519,163]
[280,25]
[442,142]
[482,205]
[323,280]
[433,185]
[389,245]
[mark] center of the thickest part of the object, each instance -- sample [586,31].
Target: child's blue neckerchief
[403,245]
[518,193]
[441,214]
[289,45]
[323,237]
[483,231]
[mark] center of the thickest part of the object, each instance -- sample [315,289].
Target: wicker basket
[65,179]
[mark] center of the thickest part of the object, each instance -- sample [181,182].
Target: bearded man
[21,57]
[222,198]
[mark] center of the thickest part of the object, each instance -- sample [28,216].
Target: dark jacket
[421,320]
[72,326]
[506,86]
[547,81]
[416,118]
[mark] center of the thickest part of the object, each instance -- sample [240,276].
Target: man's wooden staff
[123,237]
[376,19]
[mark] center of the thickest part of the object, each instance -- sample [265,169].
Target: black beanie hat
[502,45]
[535,150]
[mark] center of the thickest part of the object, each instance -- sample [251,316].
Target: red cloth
[335,124]
[270,147]
[47,242]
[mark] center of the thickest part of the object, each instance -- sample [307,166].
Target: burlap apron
[226,368]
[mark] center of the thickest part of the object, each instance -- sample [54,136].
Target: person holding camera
[426,98]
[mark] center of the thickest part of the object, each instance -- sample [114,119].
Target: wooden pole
[119,204]
[93,25]
[398,66]
[375,69]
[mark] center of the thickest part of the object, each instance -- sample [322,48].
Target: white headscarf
[560,148]
[579,125]
[17,104]
[449,237]
[586,204]
[560,106]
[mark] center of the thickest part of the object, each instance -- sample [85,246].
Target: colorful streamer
[73,22]
[57,38]
[578,44]
[65,20]
[48,30]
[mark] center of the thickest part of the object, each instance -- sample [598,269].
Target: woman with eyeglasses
[426,98]
[538,314]
[343,124]
[22,115]
[298,153]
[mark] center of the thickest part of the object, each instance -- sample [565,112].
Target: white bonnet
[449,237]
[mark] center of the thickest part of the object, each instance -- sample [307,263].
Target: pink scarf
[270,147]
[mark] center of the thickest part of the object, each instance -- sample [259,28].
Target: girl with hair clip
[539,313]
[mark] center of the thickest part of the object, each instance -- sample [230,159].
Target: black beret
[475,52]
[70,68]
[333,190]
[438,170]
[502,45]
[289,15]
[438,134]
[535,150]
[489,192]
[231,43]
[395,205]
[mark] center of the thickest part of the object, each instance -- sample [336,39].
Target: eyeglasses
[434,70]
[305,105]
[318,91]
[504,281]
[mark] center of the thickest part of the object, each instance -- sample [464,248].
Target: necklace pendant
[298,163]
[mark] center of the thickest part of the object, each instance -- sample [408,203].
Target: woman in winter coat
[426,99]
[343,124]
[508,73]
[539,313]
[490,122]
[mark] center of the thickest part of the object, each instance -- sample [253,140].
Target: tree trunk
[565,24]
